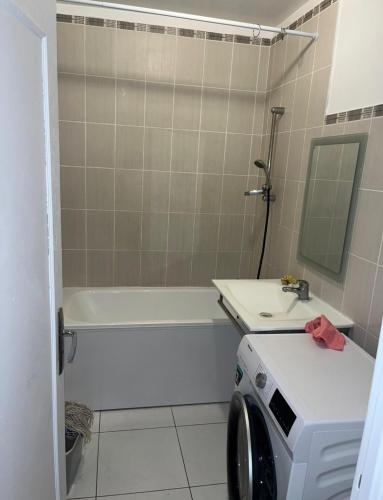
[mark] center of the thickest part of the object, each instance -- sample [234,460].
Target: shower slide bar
[257,28]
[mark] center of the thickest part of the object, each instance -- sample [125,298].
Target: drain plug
[266,315]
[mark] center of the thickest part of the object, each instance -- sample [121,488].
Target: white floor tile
[96,421]
[145,418]
[204,452]
[215,492]
[85,482]
[201,414]
[155,495]
[138,461]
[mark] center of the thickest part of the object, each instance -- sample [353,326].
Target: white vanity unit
[262,306]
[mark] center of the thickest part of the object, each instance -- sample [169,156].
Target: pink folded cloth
[325,333]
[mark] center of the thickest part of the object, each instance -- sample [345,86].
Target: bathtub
[140,347]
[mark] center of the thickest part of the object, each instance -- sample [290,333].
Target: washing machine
[296,418]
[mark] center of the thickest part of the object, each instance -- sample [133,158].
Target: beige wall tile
[71,95]
[100,145]
[318,98]
[159,105]
[73,229]
[371,344]
[228,265]
[241,111]
[153,268]
[189,63]
[289,203]
[245,67]
[131,54]
[72,143]
[368,225]
[263,69]
[100,51]
[233,190]
[372,174]
[155,231]
[260,111]
[214,109]
[72,187]
[280,155]
[100,229]
[206,233]
[185,151]
[73,263]
[325,42]
[307,47]
[178,269]
[203,268]
[128,231]
[127,268]
[302,92]
[237,157]
[180,232]
[156,191]
[100,188]
[130,148]
[292,58]
[130,100]
[295,155]
[358,290]
[161,57]
[230,233]
[100,99]
[182,192]
[375,320]
[129,190]
[157,149]
[288,97]
[211,152]
[70,48]
[187,107]
[209,189]
[218,58]
[99,268]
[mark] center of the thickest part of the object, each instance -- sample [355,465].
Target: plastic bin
[73,454]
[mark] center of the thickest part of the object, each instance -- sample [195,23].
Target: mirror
[330,195]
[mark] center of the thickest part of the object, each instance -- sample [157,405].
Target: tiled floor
[170,453]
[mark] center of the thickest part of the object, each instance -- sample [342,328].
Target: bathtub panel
[153,366]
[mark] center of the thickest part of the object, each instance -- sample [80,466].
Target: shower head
[278,110]
[262,165]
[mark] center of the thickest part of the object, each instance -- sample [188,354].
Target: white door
[32,455]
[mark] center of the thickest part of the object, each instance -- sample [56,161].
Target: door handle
[63,332]
[73,346]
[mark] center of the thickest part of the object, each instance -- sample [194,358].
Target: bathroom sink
[261,305]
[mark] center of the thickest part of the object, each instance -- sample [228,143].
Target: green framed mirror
[333,177]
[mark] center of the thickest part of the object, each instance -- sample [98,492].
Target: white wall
[357,72]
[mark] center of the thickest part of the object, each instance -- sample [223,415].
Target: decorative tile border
[355,114]
[164,30]
[303,19]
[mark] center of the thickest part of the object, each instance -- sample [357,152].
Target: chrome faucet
[302,290]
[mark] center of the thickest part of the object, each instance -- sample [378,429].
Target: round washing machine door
[250,462]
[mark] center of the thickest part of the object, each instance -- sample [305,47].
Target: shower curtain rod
[180,15]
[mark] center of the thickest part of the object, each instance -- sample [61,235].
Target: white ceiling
[271,12]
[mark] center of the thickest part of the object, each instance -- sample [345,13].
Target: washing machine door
[250,461]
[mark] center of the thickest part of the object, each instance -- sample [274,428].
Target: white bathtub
[142,347]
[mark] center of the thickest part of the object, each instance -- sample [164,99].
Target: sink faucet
[302,290]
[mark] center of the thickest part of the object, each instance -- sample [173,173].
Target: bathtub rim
[82,325]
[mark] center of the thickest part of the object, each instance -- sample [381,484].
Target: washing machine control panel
[262,382]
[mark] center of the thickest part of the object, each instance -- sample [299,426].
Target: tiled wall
[298,80]
[156,136]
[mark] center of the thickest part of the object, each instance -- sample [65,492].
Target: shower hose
[264,233]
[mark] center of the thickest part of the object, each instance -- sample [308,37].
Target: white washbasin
[261,305]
